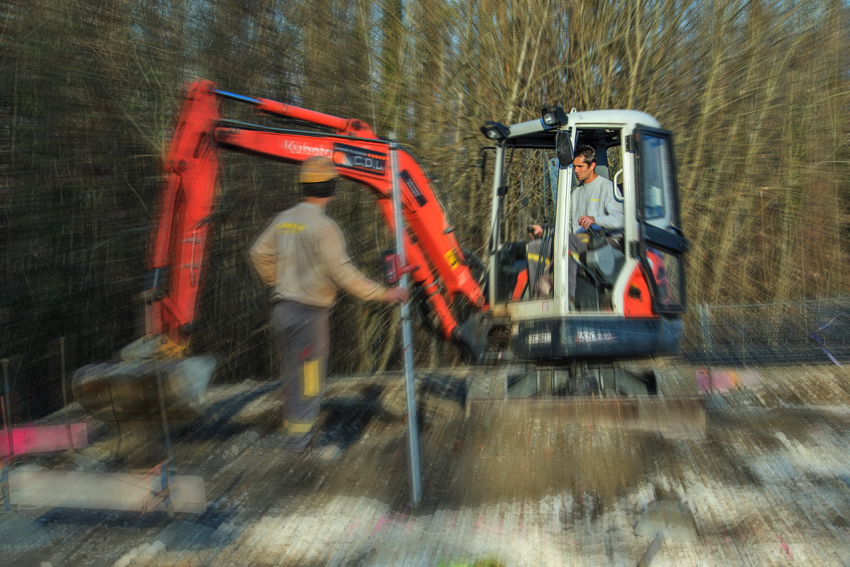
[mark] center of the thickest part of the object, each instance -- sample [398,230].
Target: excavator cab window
[663,243]
[525,257]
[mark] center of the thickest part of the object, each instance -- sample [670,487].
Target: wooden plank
[44,438]
[105,491]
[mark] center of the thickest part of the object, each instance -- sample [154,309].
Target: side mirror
[564,148]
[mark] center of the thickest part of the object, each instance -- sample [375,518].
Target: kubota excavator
[628,303]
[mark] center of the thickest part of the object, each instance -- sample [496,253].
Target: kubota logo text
[305,150]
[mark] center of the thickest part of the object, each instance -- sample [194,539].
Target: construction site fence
[801,332]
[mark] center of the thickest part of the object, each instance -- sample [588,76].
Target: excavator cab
[629,284]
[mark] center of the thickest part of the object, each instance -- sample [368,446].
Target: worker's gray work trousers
[540,267]
[577,248]
[302,334]
[539,275]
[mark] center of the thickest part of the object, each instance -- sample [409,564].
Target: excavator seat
[511,260]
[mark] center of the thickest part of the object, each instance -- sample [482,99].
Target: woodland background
[755,92]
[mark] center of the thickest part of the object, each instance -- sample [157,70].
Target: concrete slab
[105,491]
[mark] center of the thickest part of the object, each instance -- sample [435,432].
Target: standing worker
[302,255]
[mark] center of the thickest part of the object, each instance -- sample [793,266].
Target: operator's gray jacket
[302,254]
[597,199]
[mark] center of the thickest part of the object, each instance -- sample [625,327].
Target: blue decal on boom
[414,188]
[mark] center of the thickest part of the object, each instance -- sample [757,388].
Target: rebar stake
[407,337]
[7,413]
[4,485]
[164,415]
[62,356]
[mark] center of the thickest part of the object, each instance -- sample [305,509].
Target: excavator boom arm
[181,241]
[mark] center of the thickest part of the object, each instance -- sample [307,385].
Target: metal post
[8,412]
[62,355]
[163,413]
[4,483]
[65,393]
[165,491]
[705,326]
[7,425]
[406,334]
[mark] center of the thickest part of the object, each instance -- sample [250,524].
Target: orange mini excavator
[629,296]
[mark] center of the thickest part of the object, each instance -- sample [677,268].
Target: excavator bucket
[129,390]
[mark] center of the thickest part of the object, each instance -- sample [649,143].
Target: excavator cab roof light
[554,116]
[495,130]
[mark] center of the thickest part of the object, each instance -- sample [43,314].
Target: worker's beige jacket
[302,254]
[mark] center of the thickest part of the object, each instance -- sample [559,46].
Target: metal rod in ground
[8,412]
[62,356]
[163,413]
[65,394]
[407,340]
[4,483]
[651,552]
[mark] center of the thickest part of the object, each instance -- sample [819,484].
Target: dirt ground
[766,483]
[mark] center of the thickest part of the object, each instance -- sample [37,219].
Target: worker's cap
[318,169]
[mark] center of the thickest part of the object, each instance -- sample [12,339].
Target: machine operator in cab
[594,206]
